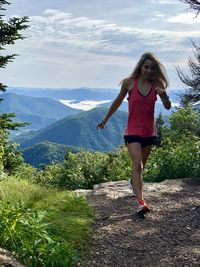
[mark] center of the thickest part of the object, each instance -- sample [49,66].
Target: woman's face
[147,69]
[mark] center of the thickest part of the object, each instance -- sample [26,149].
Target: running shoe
[141,207]
[130,185]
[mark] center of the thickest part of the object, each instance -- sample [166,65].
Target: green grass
[51,227]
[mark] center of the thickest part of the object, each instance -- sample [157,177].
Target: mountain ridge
[80,131]
[39,111]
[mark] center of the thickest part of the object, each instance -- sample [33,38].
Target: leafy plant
[174,159]
[43,227]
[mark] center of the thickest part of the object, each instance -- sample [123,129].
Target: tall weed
[43,227]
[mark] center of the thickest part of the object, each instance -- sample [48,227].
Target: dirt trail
[168,236]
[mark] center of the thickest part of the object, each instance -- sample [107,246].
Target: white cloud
[184,18]
[98,42]
[163,2]
[84,105]
[102,37]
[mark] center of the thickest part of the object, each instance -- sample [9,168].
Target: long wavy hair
[160,75]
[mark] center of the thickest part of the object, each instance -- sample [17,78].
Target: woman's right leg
[135,152]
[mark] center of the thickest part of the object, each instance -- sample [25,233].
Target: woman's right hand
[116,103]
[101,124]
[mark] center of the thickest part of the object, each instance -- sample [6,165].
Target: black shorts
[144,141]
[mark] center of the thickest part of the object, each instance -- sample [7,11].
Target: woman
[147,80]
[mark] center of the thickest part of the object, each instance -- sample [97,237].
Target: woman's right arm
[116,103]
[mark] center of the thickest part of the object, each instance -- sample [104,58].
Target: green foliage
[10,32]
[43,227]
[1,152]
[24,172]
[91,165]
[46,153]
[120,165]
[176,156]
[7,123]
[79,170]
[179,153]
[23,231]
[12,158]
[159,126]
[174,160]
[84,169]
[192,93]
[185,121]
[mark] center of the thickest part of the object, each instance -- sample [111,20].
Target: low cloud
[84,105]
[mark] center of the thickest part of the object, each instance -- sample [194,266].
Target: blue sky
[96,43]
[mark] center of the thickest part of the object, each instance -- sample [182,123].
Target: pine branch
[3,2]
[10,30]
[6,122]
[194,5]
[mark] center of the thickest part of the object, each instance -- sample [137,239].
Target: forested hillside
[80,131]
[39,112]
[46,153]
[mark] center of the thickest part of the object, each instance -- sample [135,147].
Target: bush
[79,170]
[12,158]
[85,169]
[25,172]
[43,227]
[120,165]
[23,231]
[174,160]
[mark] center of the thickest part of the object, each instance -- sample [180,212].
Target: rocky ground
[168,236]
[7,259]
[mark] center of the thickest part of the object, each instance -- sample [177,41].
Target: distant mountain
[80,131]
[158,108]
[78,94]
[39,111]
[46,153]
[41,108]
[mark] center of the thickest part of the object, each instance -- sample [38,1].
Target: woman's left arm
[164,97]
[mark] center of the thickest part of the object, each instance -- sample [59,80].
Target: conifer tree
[159,127]
[10,32]
[194,5]
[192,93]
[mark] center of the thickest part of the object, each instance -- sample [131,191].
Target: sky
[96,43]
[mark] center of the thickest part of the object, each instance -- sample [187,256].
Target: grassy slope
[68,216]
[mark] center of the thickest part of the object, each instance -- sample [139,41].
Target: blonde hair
[160,75]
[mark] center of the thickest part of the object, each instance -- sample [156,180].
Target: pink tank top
[141,112]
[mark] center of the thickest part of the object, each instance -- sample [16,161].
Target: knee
[138,166]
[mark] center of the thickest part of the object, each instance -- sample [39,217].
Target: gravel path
[168,236]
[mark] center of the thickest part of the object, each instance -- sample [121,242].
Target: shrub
[23,231]
[120,166]
[174,160]
[43,227]
[79,170]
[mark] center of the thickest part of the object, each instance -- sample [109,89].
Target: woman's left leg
[145,154]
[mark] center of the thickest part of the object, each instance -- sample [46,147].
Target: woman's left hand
[160,91]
